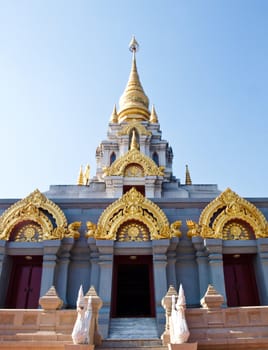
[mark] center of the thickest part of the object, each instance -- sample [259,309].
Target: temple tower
[134,153]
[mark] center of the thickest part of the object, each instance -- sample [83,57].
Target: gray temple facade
[133,229]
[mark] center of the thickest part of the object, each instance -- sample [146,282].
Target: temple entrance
[240,282]
[25,282]
[133,286]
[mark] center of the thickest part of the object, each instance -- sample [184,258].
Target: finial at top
[188,180]
[134,45]
[114,116]
[153,116]
[134,144]
[80,180]
[133,103]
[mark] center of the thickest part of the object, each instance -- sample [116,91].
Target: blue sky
[63,65]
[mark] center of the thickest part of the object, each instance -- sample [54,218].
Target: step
[131,344]
[133,328]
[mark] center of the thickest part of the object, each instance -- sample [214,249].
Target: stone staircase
[132,334]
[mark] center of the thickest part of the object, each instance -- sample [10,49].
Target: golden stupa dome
[133,103]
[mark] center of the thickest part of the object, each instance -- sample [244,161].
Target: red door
[240,283]
[25,282]
[133,287]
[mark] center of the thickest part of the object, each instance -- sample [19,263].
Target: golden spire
[87,175]
[153,116]
[133,103]
[114,116]
[134,144]
[188,180]
[80,180]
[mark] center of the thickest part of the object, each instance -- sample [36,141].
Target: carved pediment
[133,217]
[34,218]
[134,158]
[141,129]
[230,216]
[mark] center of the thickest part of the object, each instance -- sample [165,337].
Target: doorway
[25,282]
[240,282]
[133,286]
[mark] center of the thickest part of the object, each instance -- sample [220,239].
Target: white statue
[80,334]
[179,332]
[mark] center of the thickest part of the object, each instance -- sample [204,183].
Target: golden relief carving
[73,230]
[133,231]
[132,157]
[141,129]
[133,218]
[91,229]
[229,217]
[175,229]
[133,170]
[236,231]
[29,233]
[34,212]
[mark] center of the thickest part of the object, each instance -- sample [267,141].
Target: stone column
[3,289]
[106,250]
[214,249]
[63,267]
[160,248]
[79,270]
[202,264]
[94,260]
[50,249]
[187,272]
[262,269]
[171,262]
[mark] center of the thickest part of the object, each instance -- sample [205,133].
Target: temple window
[156,158]
[112,158]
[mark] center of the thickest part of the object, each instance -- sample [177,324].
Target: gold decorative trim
[134,157]
[224,217]
[141,129]
[133,207]
[38,210]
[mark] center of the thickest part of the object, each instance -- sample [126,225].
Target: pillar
[160,248]
[202,264]
[106,250]
[171,262]
[94,261]
[3,289]
[50,249]
[216,273]
[187,272]
[79,270]
[63,267]
[262,269]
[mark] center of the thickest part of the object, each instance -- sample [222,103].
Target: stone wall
[226,328]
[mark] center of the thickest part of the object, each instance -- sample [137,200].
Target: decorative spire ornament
[133,103]
[134,144]
[114,116]
[87,175]
[153,116]
[80,180]
[133,45]
[188,180]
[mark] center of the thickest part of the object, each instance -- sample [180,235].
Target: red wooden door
[240,283]
[133,287]
[25,282]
